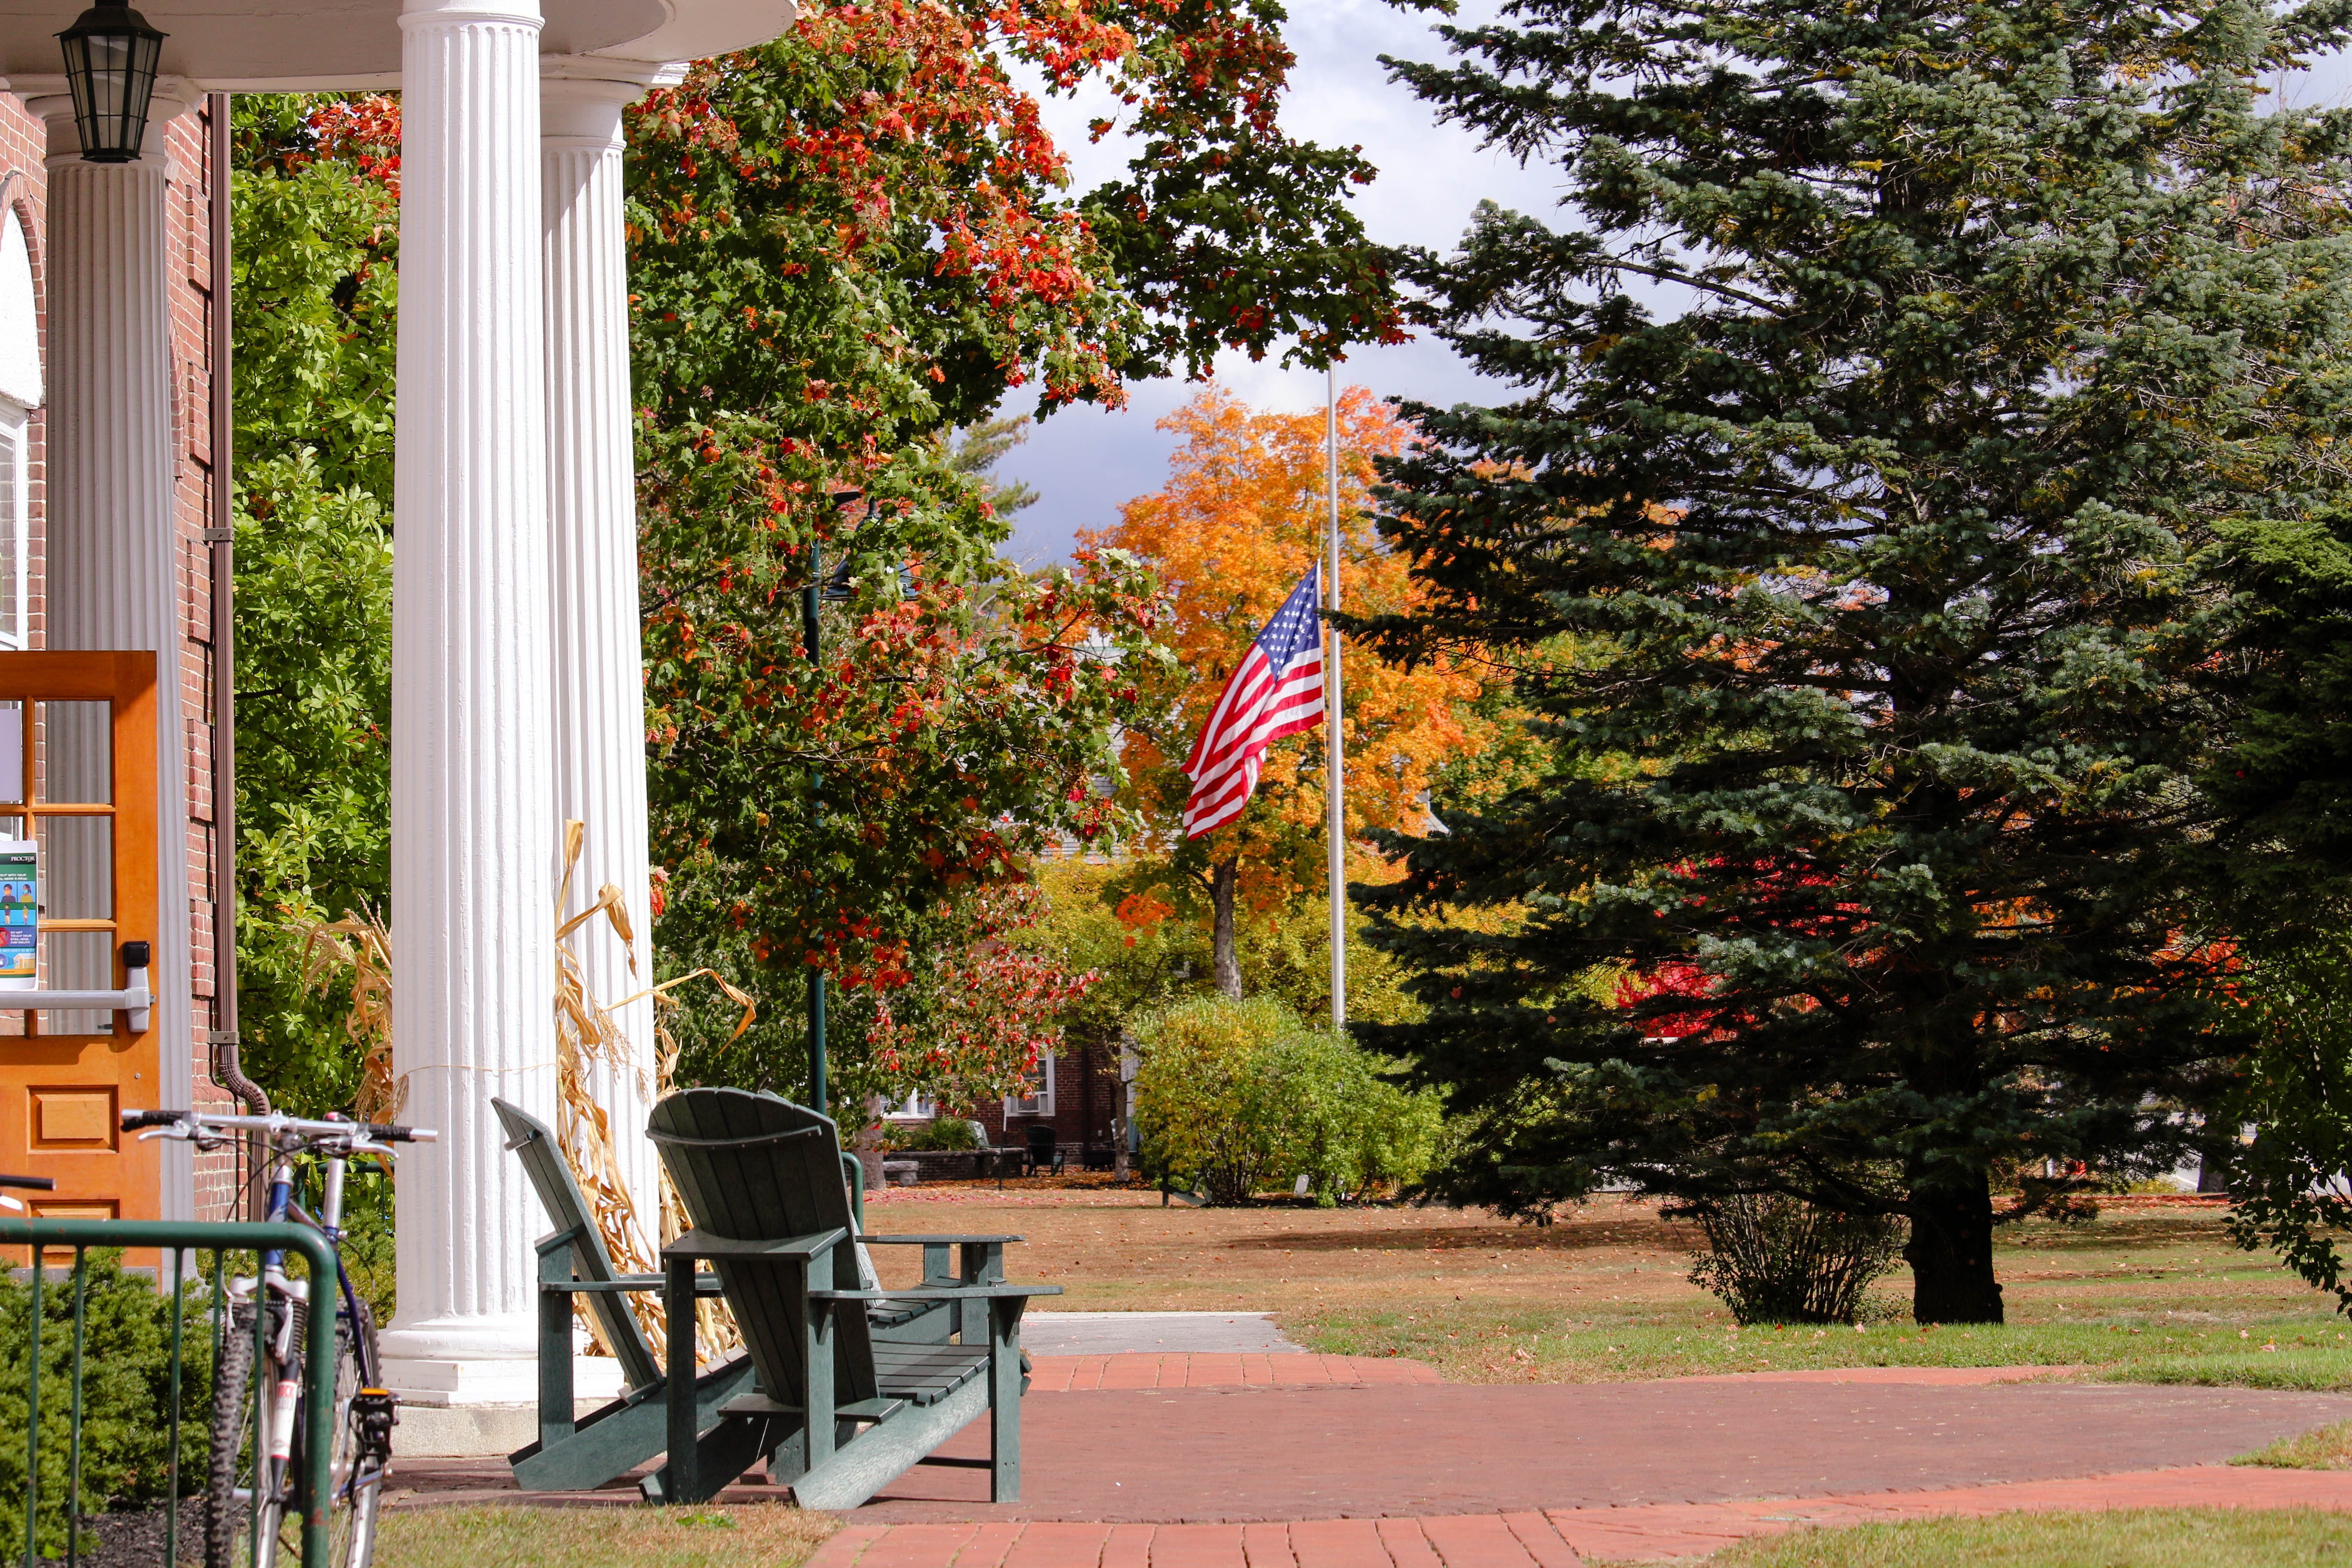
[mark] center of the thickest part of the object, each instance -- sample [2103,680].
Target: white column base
[463,1360]
[476,1360]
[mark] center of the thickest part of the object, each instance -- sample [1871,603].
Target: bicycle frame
[329,1222]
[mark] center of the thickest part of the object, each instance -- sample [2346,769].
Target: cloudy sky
[1085,461]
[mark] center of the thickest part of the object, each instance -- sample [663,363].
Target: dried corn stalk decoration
[359,945]
[586,1032]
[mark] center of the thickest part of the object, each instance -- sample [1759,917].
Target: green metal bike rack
[78,1236]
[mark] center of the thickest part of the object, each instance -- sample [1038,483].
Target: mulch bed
[133,1538]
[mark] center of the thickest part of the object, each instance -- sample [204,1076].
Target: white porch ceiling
[309,45]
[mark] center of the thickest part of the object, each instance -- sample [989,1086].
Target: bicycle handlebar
[34,1184]
[200,1124]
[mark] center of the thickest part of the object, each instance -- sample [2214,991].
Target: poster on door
[20,915]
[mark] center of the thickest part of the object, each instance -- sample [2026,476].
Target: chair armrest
[695,1244]
[704,1284]
[935,1240]
[937,1293]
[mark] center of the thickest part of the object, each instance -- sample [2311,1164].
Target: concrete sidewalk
[1156,1333]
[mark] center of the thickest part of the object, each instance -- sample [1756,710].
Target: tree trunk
[1950,1253]
[1225,965]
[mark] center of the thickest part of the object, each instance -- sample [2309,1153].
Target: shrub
[1772,1258]
[1352,1130]
[126,1395]
[1240,1095]
[941,1133]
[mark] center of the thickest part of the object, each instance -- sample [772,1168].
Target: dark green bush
[1772,1258]
[125,1393]
[946,1133]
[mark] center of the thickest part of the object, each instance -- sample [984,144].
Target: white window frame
[916,1107]
[1040,1100]
[16,516]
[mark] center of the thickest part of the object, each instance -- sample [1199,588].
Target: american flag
[1277,691]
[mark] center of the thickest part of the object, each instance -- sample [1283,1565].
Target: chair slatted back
[567,1209]
[756,1167]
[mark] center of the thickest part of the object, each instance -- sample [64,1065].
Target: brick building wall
[188,196]
[1084,1105]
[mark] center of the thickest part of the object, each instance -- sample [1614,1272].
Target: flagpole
[1335,826]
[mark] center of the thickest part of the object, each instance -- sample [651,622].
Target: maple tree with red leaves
[844,247]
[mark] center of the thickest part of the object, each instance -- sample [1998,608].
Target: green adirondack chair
[846,1412]
[609,1442]
[577,1455]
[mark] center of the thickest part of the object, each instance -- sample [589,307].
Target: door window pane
[77,754]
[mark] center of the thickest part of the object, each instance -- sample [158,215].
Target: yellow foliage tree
[1241,518]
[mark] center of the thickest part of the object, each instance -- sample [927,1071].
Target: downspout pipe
[220,534]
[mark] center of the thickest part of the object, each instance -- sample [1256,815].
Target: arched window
[20,394]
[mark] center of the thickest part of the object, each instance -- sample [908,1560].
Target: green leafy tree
[2287,1189]
[313,227]
[2282,780]
[1854,586]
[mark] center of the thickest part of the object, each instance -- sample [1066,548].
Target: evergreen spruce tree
[1850,544]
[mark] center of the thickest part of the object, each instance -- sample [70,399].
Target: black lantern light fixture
[111,59]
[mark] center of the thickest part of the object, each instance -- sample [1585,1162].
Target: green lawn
[2145,1538]
[1530,1344]
[2329,1448]
[768,1535]
[2146,1296]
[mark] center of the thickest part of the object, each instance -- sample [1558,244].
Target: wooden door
[84,789]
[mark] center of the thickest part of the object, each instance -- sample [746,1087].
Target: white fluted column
[599,667]
[114,550]
[474,834]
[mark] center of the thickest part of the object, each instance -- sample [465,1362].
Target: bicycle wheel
[231,1510]
[240,1534]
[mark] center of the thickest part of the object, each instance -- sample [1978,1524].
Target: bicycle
[253,1505]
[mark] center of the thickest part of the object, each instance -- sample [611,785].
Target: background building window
[914,1108]
[20,393]
[1039,1100]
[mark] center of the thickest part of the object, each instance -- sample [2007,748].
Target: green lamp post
[820,590]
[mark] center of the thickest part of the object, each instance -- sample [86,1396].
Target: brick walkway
[1149,1460]
[1245,1454]
[1557,1538]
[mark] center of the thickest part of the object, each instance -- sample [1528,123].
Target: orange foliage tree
[1242,518]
